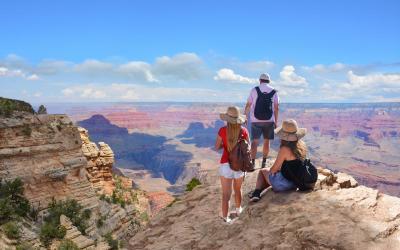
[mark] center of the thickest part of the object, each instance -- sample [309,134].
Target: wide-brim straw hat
[289,131]
[233,116]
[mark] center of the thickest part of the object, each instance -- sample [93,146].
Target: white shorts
[227,172]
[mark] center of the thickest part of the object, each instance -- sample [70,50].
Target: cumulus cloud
[289,78]
[135,92]
[183,66]
[91,66]
[5,72]
[135,69]
[85,92]
[321,68]
[369,87]
[228,75]
[33,77]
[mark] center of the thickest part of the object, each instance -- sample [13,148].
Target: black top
[293,163]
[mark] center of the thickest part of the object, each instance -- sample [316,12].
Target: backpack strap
[272,93]
[259,91]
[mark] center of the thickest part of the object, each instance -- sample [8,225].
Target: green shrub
[111,242]
[144,216]
[8,106]
[194,182]
[13,204]
[11,230]
[51,229]
[68,245]
[24,246]
[100,220]
[42,110]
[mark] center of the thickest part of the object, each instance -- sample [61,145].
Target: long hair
[233,131]
[298,148]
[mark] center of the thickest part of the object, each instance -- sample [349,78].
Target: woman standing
[292,152]
[227,138]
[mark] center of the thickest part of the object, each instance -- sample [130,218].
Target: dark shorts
[264,128]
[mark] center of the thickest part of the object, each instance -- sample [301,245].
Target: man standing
[263,104]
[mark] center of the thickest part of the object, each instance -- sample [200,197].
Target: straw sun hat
[289,131]
[233,116]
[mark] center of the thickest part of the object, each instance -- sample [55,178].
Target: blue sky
[333,51]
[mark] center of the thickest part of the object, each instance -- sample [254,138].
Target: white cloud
[183,66]
[33,77]
[321,68]
[370,87]
[135,92]
[5,72]
[92,66]
[228,75]
[11,72]
[137,69]
[85,92]
[289,78]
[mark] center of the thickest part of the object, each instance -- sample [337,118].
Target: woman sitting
[227,138]
[292,152]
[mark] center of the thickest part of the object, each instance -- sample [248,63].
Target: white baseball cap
[264,76]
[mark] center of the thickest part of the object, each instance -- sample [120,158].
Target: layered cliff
[338,214]
[56,160]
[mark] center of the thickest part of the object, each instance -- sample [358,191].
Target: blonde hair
[298,148]
[233,131]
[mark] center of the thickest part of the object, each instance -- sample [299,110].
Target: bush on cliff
[8,106]
[51,228]
[11,230]
[13,204]
[111,242]
[194,182]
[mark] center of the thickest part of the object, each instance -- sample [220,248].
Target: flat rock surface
[353,218]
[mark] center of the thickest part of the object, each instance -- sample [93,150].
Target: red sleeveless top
[223,134]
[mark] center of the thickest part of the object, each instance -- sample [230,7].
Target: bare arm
[276,113]
[279,160]
[247,108]
[218,143]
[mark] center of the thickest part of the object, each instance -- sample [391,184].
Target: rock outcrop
[338,214]
[100,163]
[47,153]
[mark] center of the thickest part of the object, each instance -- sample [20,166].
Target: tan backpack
[239,157]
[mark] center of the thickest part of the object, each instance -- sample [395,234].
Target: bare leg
[226,185]
[254,145]
[266,148]
[262,179]
[237,187]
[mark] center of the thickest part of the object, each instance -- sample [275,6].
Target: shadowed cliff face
[200,135]
[138,150]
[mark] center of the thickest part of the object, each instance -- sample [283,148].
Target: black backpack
[304,176]
[263,109]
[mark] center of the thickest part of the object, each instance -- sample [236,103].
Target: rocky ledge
[338,214]
[57,161]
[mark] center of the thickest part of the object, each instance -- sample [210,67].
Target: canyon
[360,139]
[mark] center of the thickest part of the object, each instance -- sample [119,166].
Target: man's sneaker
[255,196]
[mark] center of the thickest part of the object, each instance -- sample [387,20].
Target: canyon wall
[57,160]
